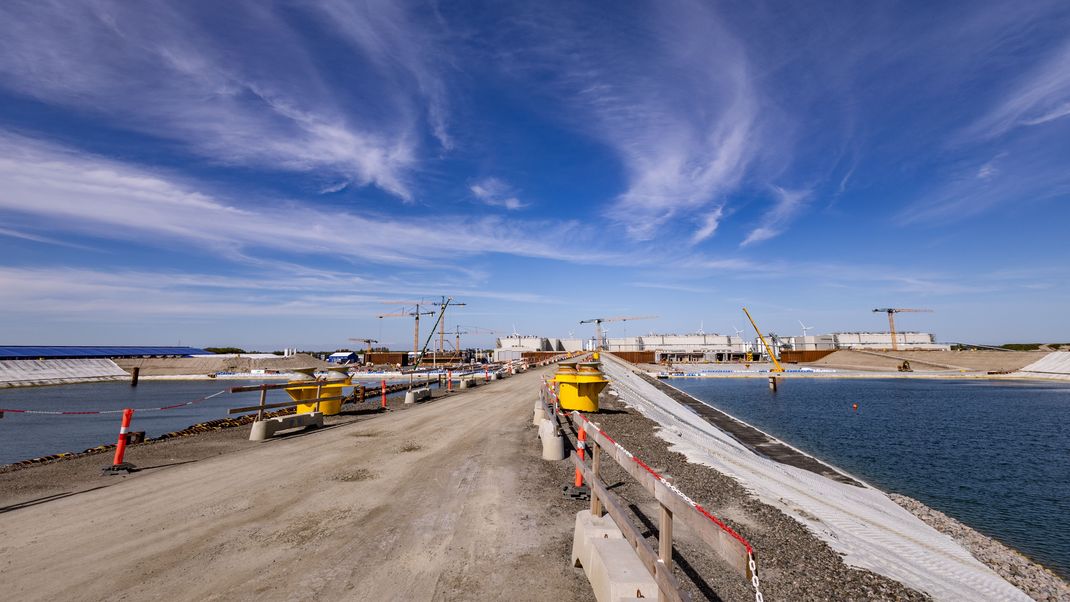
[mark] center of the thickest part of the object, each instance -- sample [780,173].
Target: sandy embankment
[948,361]
[202,366]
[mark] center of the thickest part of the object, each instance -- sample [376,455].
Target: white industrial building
[883,340]
[699,347]
[810,342]
[514,346]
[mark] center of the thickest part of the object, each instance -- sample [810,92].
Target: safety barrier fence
[673,503]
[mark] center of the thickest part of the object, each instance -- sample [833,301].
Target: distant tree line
[227,350]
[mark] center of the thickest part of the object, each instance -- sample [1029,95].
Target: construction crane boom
[416,327]
[442,322]
[368,341]
[600,342]
[768,349]
[891,311]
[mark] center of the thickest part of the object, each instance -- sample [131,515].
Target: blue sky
[267,174]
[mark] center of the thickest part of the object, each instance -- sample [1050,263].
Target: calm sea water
[994,455]
[24,436]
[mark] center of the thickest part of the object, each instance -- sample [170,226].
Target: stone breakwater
[1037,581]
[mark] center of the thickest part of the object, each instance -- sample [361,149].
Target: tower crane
[600,342]
[366,341]
[442,322]
[891,311]
[416,313]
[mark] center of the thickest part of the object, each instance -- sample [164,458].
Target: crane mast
[891,311]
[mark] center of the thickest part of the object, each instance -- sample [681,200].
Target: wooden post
[665,537]
[319,393]
[596,465]
[134,376]
[263,400]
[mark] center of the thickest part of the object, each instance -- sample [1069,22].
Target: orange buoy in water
[854,406]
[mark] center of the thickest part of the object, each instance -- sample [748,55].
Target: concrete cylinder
[463,384]
[553,445]
[410,397]
[538,417]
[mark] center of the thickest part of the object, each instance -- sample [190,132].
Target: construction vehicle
[772,356]
[600,342]
[891,311]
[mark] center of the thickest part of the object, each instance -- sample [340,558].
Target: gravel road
[446,500]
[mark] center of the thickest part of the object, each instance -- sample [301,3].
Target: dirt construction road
[445,501]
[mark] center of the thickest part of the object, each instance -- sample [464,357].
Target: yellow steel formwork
[304,390]
[578,386]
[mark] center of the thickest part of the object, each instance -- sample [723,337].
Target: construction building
[699,347]
[883,340]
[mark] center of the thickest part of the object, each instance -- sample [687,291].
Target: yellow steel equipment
[308,390]
[578,385]
[768,349]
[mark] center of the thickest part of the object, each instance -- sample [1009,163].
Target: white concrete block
[587,529]
[615,572]
[265,429]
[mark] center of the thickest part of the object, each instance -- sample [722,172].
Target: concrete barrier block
[538,417]
[415,395]
[553,444]
[616,573]
[265,429]
[589,528]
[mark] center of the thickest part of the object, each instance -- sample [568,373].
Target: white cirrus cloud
[72,192]
[496,193]
[1040,96]
[665,86]
[776,219]
[173,72]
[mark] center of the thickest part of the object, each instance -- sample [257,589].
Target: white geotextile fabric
[1055,365]
[44,372]
[862,523]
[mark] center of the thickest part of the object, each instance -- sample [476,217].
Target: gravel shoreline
[1036,580]
[792,563]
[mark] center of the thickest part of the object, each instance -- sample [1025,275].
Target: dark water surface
[995,455]
[25,436]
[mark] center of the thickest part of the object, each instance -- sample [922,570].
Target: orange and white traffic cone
[117,464]
[384,394]
[581,445]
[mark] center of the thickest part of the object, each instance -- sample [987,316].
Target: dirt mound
[951,361]
[173,366]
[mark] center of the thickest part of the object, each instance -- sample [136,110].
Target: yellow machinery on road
[578,385]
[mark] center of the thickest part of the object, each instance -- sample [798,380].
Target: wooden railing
[673,505]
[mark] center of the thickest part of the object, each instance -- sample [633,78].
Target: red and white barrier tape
[746,544]
[92,412]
